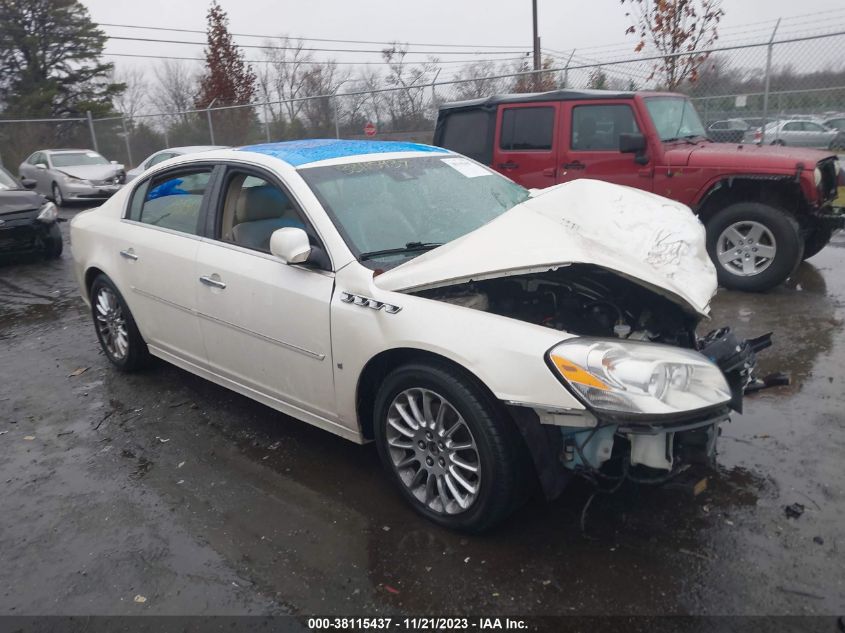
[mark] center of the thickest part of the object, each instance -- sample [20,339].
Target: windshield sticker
[466,167]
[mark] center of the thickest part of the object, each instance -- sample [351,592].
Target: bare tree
[478,79]
[675,27]
[407,103]
[175,89]
[135,98]
[285,75]
[321,79]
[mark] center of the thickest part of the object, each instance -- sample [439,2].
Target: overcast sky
[596,28]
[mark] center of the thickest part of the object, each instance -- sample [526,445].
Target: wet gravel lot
[164,486]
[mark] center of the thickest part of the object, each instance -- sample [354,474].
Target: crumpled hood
[92,172]
[745,156]
[641,236]
[14,200]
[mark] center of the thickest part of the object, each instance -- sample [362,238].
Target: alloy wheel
[433,451]
[57,196]
[111,324]
[746,248]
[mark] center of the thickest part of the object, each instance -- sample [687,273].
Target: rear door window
[172,201]
[527,129]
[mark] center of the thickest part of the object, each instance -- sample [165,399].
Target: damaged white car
[487,338]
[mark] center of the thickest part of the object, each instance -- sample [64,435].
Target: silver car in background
[67,175]
[163,155]
[796,133]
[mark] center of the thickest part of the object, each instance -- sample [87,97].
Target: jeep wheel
[816,240]
[754,246]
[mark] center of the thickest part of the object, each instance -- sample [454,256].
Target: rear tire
[420,460]
[816,240]
[779,242]
[119,337]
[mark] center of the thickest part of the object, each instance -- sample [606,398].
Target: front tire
[53,244]
[754,246]
[116,330]
[449,448]
[58,198]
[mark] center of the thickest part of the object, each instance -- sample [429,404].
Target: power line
[305,48]
[268,61]
[309,39]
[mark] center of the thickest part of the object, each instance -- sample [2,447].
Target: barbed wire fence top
[787,76]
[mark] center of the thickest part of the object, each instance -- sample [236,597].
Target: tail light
[758,135]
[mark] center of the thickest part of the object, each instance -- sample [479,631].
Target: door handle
[508,165]
[574,165]
[215,283]
[549,172]
[129,254]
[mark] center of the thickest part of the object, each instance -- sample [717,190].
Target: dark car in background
[728,131]
[28,222]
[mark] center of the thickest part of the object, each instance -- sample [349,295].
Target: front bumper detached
[569,443]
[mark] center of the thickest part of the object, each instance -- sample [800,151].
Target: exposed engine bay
[580,299]
[587,300]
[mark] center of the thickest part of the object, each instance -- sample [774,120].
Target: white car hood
[644,237]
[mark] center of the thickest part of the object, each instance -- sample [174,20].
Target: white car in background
[162,155]
[484,336]
[795,133]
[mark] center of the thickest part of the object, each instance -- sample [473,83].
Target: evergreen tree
[50,62]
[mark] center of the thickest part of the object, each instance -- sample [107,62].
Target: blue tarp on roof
[299,153]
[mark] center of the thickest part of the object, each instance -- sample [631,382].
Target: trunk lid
[654,241]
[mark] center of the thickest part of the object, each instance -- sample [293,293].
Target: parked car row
[28,222]
[798,131]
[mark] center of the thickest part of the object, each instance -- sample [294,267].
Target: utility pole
[536,37]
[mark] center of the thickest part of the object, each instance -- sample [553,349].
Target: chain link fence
[787,77]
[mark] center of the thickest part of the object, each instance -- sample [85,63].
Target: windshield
[410,205]
[674,118]
[70,159]
[6,181]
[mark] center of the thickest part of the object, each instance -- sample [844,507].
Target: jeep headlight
[48,213]
[638,378]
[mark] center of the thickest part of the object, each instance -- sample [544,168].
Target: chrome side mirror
[40,166]
[291,245]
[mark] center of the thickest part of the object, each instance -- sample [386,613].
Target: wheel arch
[380,365]
[782,192]
[90,275]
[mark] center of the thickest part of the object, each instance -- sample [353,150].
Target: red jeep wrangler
[766,208]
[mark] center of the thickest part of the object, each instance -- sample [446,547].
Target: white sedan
[487,338]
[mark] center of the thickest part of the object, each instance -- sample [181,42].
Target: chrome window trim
[268,256]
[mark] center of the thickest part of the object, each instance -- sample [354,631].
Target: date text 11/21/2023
[416,624]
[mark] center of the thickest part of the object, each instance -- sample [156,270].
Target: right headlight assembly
[628,377]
